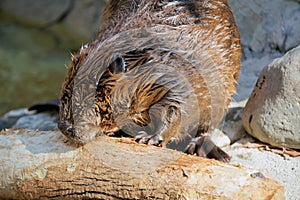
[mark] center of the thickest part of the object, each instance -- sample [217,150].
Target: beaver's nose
[80,134]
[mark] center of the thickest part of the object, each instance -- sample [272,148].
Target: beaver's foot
[203,146]
[144,138]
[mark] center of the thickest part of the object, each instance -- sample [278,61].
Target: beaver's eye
[117,66]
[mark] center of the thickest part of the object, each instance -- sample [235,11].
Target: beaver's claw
[144,138]
[203,146]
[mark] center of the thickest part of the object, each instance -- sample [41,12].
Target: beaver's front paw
[203,146]
[144,138]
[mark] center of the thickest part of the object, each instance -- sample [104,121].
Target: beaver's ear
[117,66]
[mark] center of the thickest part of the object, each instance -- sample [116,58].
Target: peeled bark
[37,165]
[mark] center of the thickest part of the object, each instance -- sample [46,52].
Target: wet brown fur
[201,43]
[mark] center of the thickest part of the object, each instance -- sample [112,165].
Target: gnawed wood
[37,165]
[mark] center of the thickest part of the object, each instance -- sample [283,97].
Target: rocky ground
[269,29]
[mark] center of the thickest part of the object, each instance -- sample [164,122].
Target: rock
[284,170]
[72,22]
[85,11]
[81,24]
[233,124]
[40,121]
[11,117]
[268,29]
[219,138]
[22,118]
[250,70]
[273,109]
[35,13]
[265,24]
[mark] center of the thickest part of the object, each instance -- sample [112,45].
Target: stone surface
[285,170]
[266,24]
[268,29]
[11,117]
[219,138]
[36,39]
[81,23]
[232,124]
[263,24]
[72,22]
[273,109]
[250,70]
[40,121]
[33,12]
[24,119]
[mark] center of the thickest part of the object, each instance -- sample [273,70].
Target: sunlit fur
[182,61]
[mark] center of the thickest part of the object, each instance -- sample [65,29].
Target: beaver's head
[85,107]
[105,93]
[108,88]
[85,103]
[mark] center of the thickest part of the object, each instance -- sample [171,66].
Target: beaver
[159,70]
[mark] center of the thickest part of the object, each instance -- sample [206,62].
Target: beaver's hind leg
[203,146]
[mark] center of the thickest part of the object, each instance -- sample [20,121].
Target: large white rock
[272,113]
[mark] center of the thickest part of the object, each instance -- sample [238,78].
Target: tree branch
[35,165]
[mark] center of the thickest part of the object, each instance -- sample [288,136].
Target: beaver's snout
[80,134]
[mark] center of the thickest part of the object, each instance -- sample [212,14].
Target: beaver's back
[203,32]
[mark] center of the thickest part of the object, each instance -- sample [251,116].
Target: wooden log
[42,165]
